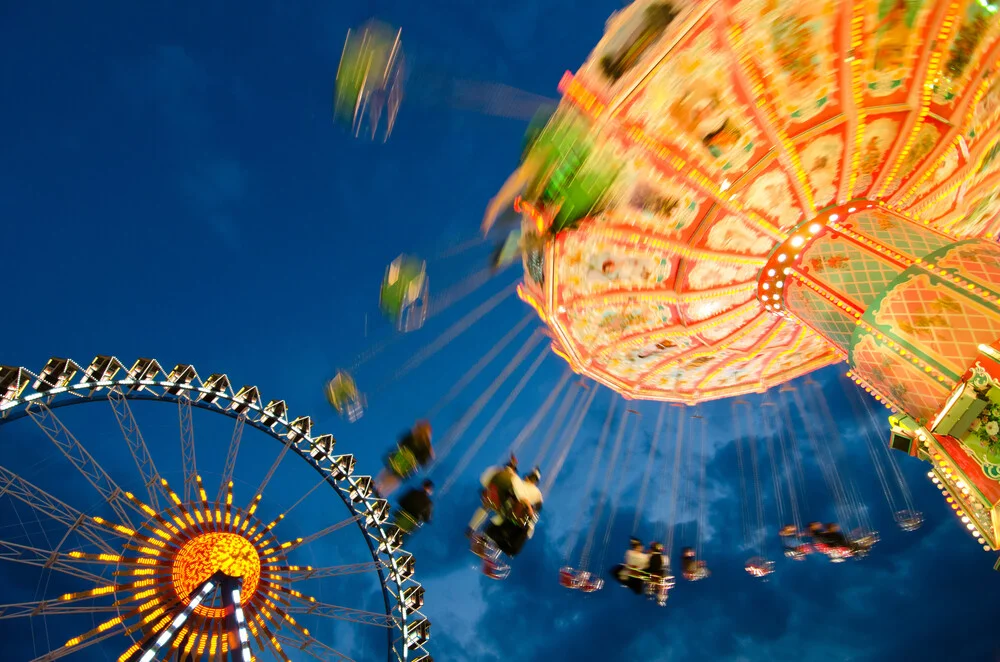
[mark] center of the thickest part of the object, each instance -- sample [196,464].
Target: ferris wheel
[191,568]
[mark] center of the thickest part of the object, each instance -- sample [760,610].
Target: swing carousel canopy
[729,123]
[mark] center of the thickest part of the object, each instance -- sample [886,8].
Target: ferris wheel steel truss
[26,394]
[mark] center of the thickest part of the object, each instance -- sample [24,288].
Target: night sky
[171,185]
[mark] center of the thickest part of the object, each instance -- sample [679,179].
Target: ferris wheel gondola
[169,572]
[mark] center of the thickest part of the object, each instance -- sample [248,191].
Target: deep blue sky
[171,185]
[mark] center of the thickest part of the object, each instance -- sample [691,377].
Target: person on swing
[692,568]
[630,573]
[415,508]
[413,452]
[498,490]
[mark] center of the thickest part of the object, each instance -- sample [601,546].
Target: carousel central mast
[917,316]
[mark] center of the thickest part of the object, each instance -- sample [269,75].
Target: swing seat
[759,567]
[789,531]
[658,588]
[404,295]
[494,564]
[369,78]
[510,508]
[491,498]
[402,462]
[405,522]
[909,520]
[590,583]
[799,552]
[342,394]
[701,572]
[480,546]
[568,579]
[495,569]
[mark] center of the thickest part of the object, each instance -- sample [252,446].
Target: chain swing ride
[713,210]
[664,270]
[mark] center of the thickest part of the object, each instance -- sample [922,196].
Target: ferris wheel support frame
[54,388]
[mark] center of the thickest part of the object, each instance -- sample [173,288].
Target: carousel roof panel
[732,121]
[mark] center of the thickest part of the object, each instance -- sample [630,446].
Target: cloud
[175,89]
[215,190]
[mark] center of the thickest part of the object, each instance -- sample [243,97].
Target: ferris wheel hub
[206,554]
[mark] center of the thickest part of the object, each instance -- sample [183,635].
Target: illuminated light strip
[541,223]
[959,179]
[915,219]
[577,94]
[634,236]
[772,126]
[958,128]
[800,337]
[793,317]
[737,389]
[658,296]
[793,373]
[900,202]
[907,261]
[635,135]
[879,397]
[241,626]
[659,57]
[727,342]
[931,72]
[857,93]
[661,367]
[944,274]
[931,370]
[901,260]
[956,491]
[839,300]
[778,328]
[661,333]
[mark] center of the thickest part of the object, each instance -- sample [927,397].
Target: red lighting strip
[889,404]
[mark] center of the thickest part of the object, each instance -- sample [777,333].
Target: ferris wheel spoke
[304,605]
[303,573]
[188,463]
[51,608]
[41,558]
[46,504]
[136,445]
[78,456]
[274,467]
[302,542]
[313,648]
[69,650]
[234,450]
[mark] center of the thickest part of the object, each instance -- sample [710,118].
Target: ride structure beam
[331,571]
[70,650]
[301,542]
[84,462]
[51,608]
[311,647]
[41,558]
[343,613]
[46,504]
[188,462]
[136,446]
[234,450]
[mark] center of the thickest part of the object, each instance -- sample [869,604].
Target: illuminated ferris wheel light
[198,573]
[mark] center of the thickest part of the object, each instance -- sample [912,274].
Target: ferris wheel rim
[372,519]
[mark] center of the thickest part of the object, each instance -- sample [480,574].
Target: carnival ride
[189,574]
[734,194]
